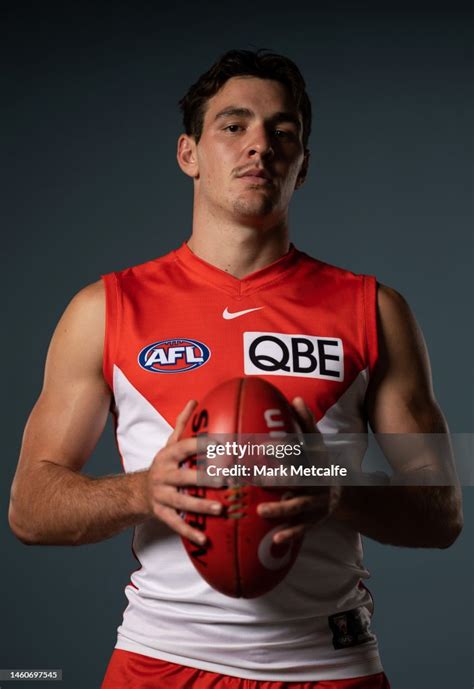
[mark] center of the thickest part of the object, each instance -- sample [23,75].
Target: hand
[313,505]
[165,476]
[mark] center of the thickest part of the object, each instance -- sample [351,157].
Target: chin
[254,207]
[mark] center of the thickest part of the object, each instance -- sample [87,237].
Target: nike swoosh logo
[228,315]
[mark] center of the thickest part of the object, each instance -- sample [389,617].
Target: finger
[304,415]
[170,517]
[181,421]
[286,535]
[189,477]
[181,450]
[188,503]
[179,477]
[288,508]
[174,454]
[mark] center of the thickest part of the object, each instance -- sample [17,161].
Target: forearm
[412,516]
[58,506]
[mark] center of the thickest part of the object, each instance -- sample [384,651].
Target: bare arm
[399,400]
[51,501]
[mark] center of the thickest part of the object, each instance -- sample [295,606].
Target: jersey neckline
[238,286]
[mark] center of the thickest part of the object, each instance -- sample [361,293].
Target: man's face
[250,153]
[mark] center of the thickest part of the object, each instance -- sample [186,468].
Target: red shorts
[135,671]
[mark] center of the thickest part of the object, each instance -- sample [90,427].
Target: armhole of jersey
[112,326]
[370,311]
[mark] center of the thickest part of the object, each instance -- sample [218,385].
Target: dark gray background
[90,184]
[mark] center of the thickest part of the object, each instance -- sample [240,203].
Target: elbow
[451,519]
[27,537]
[453,533]
[30,533]
[17,520]
[20,522]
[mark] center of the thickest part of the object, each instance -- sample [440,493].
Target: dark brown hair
[235,63]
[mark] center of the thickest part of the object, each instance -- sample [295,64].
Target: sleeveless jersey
[178,326]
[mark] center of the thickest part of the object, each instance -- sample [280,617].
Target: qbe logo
[307,356]
[174,356]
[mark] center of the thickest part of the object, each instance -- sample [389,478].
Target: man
[247,123]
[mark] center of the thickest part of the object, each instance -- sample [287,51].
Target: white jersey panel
[141,430]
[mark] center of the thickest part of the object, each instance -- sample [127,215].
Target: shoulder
[88,303]
[397,322]
[79,334]
[334,278]
[140,271]
[91,294]
[390,302]
[328,269]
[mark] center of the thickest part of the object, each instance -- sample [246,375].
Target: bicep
[70,414]
[401,406]
[400,397]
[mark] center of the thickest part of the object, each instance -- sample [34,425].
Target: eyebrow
[277,118]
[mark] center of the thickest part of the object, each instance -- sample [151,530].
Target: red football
[239,558]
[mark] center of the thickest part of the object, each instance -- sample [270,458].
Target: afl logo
[174,356]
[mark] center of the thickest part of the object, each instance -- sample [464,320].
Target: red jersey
[175,328]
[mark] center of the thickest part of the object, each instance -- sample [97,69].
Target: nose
[260,144]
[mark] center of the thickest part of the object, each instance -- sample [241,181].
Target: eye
[283,134]
[232,128]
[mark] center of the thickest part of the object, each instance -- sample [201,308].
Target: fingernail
[216,507]
[263,511]
[201,539]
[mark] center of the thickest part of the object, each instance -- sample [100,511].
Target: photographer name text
[240,470]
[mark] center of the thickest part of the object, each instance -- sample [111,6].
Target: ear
[186,156]
[304,170]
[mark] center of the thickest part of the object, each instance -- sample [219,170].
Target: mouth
[259,177]
[259,181]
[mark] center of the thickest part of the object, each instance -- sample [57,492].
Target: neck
[239,248]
